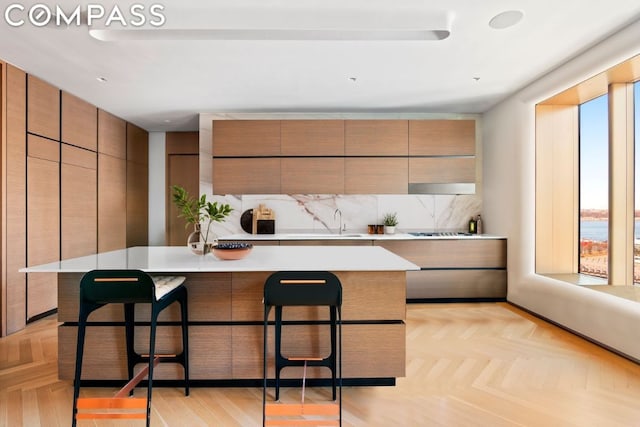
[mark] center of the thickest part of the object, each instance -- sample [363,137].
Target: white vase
[199,243]
[389,229]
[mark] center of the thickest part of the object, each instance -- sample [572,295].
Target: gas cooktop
[440,233]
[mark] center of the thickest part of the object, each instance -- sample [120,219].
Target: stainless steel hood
[442,188]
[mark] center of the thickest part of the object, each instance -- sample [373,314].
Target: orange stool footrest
[112,403]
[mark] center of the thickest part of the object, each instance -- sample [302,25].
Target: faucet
[342,226]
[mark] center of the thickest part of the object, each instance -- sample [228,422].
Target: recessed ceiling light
[353,79]
[506,19]
[101,79]
[167,121]
[476,79]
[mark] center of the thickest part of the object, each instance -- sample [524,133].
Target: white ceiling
[164,84]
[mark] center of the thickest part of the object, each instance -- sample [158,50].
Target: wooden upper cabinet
[112,135]
[376,137]
[112,203]
[311,175]
[312,138]
[246,137]
[43,108]
[371,175]
[79,122]
[246,176]
[442,137]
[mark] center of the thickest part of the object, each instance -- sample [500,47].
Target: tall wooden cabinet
[112,182]
[137,186]
[182,166]
[52,179]
[14,284]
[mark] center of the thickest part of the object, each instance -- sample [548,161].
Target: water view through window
[594,187]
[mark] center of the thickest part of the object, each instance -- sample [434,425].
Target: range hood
[442,188]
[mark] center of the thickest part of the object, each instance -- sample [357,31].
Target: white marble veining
[178,259]
[316,213]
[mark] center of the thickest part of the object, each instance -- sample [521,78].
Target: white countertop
[351,236]
[176,259]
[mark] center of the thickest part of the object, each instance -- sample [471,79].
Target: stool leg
[278,355]
[152,346]
[129,327]
[185,341]
[333,350]
[82,326]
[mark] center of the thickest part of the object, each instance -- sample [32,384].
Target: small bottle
[479,225]
[472,226]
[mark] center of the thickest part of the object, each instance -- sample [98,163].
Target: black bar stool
[303,288]
[129,287]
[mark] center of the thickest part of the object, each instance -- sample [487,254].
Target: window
[594,183]
[636,243]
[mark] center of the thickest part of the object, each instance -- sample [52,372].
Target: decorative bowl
[232,250]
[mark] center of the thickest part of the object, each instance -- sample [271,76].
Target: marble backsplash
[316,213]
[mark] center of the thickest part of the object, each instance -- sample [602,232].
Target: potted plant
[202,214]
[390,220]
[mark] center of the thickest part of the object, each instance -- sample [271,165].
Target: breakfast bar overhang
[226,314]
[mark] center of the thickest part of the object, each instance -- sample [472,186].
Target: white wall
[157,182]
[509,204]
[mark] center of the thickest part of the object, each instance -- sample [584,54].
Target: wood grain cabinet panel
[376,137]
[16,199]
[246,176]
[43,108]
[79,122]
[442,169]
[372,175]
[436,253]
[79,202]
[43,231]
[112,135]
[112,203]
[442,137]
[246,137]
[137,186]
[313,175]
[182,166]
[312,138]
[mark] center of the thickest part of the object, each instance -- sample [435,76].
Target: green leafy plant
[390,219]
[198,211]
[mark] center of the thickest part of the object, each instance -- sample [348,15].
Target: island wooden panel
[365,296]
[79,202]
[209,299]
[311,175]
[245,137]
[209,348]
[79,122]
[369,351]
[442,169]
[454,253]
[376,137]
[112,135]
[312,138]
[442,137]
[370,175]
[16,199]
[327,242]
[246,176]
[43,108]
[112,203]
[43,224]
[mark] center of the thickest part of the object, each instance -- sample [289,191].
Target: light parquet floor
[482,364]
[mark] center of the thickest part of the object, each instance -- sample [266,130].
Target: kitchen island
[226,311]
